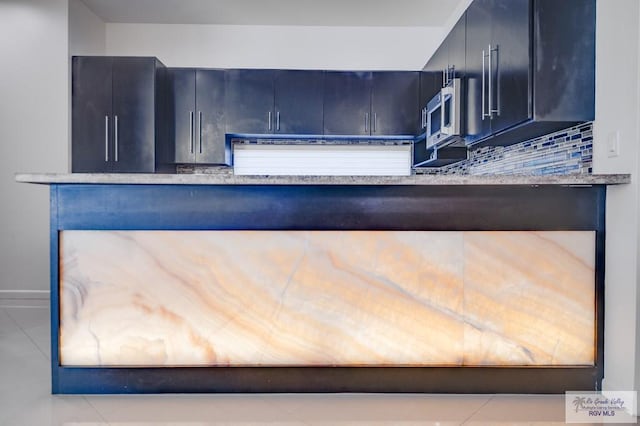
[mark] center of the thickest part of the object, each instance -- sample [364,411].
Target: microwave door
[451,109]
[434,124]
[447,117]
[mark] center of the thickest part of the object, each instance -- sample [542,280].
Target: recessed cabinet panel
[209,141]
[91,114]
[347,103]
[249,101]
[394,103]
[298,102]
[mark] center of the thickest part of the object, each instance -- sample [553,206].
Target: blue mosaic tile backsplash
[568,151]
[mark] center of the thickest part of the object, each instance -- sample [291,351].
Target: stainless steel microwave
[444,116]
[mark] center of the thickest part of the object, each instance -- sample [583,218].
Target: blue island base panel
[326,298]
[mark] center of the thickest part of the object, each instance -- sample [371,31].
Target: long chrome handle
[269,119]
[191,126]
[106,138]
[115,137]
[490,85]
[366,121]
[200,131]
[497,102]
[278,121]
[484,114]
[375,121]
[444,77]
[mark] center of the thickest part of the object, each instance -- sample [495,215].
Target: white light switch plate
[613,144]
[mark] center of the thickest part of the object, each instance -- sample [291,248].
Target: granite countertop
[226,177]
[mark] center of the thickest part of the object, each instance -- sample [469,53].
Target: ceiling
[413,13]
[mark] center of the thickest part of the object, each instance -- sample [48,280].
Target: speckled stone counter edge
[227,178]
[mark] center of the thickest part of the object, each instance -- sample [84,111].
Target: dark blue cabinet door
[430,84]
[134,114]
[182,83]
[249,101]
[438,63]
[91,125]
[347,103]
[479,21]
[511,61]
[456,44]
[209,141]
[394,102]
[298,102]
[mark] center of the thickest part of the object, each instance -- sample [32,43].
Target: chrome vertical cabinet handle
[490,85]
[191,129]
[493,101]
[486,112]
[375,121]
[200,132]
[106,138]
[483,82]
[115,138]
[366,122]
[269,120]
[278,121]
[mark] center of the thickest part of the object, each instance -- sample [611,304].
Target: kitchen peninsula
[423,283]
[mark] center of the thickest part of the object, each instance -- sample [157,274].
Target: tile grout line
[478,410]
[47,358]
[96,410]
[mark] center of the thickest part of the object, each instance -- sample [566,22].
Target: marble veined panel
[349,298]
[529,298]
[261,298]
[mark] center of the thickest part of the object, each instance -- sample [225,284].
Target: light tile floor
[25,397]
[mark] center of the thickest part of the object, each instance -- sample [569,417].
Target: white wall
[33,135]
[617,110]
[294,47]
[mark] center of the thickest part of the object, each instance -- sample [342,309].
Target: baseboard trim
[25,294]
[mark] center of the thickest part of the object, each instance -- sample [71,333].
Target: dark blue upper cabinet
[117,114]
[371,103]
[530,68]
[249,101]
[438,64]
[182,105]
[299,99]
[394,102]
[347,103]
[91,114]
[448,62]
[274,101]
[478,69]
[564,60]
[197,108]
[209,118]
[509,61]
[456,50]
